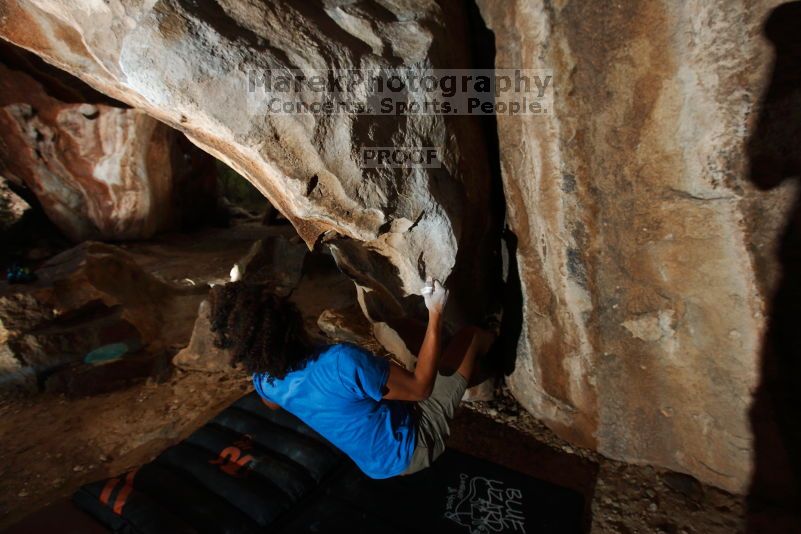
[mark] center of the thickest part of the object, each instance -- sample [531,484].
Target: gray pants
[433,416]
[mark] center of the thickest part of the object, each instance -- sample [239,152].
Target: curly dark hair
[263,330]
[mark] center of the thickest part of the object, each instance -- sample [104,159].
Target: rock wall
[647,257]
[99,169]
[188,66]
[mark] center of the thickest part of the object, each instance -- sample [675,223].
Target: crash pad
[251,469]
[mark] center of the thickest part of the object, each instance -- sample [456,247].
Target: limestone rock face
[99,171]
[187,64]
[645,254]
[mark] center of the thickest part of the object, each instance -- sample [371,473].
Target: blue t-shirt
[339,395]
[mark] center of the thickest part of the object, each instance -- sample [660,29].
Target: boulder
[201,354]
[98,170]
[80,380]
[348,325]
[646,256]
[192,66]
[91,297]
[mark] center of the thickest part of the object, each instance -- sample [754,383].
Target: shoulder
[347,349]
[348,354]
[351,359]
[360,371]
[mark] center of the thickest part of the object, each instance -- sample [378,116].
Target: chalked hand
[435,296]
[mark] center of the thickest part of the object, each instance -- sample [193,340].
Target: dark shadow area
[493,276]
[509,295]
[33,231]
[774,151]
[57,83]
[512,324]
[478,260]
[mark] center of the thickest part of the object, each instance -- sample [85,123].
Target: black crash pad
[254,470]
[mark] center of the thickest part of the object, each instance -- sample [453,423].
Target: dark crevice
[57,83]
[502,280]
[313,181]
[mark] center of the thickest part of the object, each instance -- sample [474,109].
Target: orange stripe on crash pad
[107,489]
[124,492]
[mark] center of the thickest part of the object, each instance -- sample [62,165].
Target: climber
[390,421]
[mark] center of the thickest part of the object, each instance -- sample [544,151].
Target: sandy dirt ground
[50,445]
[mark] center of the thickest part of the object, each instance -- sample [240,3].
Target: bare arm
[417,385]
